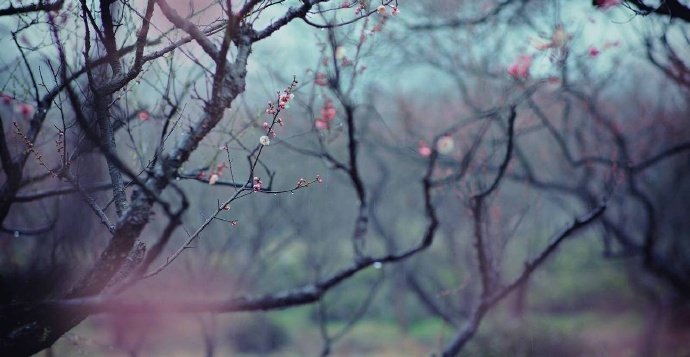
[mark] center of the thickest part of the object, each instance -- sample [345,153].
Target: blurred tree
[124,121]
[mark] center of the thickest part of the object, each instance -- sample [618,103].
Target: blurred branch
[488,301]
[40,5]
[671,8]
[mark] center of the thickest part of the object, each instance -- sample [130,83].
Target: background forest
[348,178]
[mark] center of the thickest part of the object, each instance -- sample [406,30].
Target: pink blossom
[284,99]
[6,98]
[328,111]
[270,109]
[519,69]
[424,149]
[605,4]
[593,51]
[25,110]
[321,124]
[345,4]
[257,184]
[143,115]
[213,179]
[381,10]
[320,79]
[220,167]
[319,179]
[395,11]
[359,9]
[327,116]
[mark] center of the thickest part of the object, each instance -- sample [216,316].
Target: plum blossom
[143,115]
[423,149]
[256,186]
[605,4]
[285,99]
[6,98]
[213,179]
[593,51]
[445,144]
[359,9]
[381,10]
[25,110]
[264,140]
[340,52]
[327,116]
[321,124]
[519,69]
[395,11]
[320,79]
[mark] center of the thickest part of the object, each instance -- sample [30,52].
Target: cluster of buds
[32,149]
[270,133]
[327,116]
[360,8]
[302,182]
[284,99]
[383,11]
[256,186]
[60,141]
[271,109]
[379,26]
